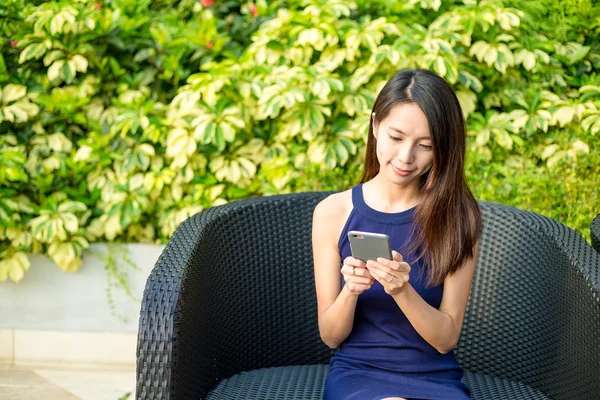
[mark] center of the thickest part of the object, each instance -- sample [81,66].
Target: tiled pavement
[33,383]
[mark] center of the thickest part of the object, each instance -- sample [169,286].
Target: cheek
[380,152]
[383,151]
[428,161]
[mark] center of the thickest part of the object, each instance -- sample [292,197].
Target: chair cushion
[305,382]
[293,382]
[487,387]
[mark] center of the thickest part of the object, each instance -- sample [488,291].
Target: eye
[394,138]
[426,147]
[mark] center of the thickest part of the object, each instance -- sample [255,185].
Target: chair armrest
[160,315]
[232,291]
[533,314]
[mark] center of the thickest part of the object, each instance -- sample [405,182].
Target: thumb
[397,256]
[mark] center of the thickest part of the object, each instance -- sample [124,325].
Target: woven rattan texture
[534,310]
[234,291]
[486,387]
[306,382]
[300,382]
[595,233]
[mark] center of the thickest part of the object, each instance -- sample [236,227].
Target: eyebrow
[400,131]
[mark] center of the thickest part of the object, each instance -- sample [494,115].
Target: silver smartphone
[369,245]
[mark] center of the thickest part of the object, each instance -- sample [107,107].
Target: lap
[367,384]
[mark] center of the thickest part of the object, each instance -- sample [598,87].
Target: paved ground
[32,383]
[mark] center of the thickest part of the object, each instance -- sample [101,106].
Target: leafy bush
[122,118]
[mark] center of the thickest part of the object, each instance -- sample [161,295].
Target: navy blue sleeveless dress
[384,356]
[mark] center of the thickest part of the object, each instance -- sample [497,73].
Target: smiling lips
[401,171]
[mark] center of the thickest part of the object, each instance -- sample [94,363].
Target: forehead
[409,118]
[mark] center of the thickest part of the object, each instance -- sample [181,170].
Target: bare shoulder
[334,207]
[332,212]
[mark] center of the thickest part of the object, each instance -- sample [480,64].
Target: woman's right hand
[361,280]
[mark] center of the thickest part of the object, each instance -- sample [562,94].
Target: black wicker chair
[595,233]
[229,310]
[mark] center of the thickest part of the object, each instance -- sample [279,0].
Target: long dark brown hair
[447,218]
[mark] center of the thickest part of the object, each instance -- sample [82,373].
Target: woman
[397,321]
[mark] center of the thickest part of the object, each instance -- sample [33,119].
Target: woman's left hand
[392,274]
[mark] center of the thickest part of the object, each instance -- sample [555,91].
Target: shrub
[122,118]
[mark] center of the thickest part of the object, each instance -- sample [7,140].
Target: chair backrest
[257,270]
[257,280]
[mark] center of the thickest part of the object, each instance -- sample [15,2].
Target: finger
[404,267]
[354,262]
[354,271]
[347,270]
[363,272]
[378,266]
[397,256]
[377,274]
[383,261]
[389,264]
[373,263]
[359,271]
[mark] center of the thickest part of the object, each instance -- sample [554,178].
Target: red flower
[253,10]
[207,3]
[210,45]
[13,43]
[98,6]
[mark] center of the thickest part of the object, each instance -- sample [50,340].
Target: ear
[375,125]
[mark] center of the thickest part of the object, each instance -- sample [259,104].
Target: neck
[390,196]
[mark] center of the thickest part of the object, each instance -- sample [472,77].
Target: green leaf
[144,54]
[219,140]
[79,63]
[34,50]
[503,139]
[439,66]
[70,222]
[316,119]
[12,92]
[579,54]
[341,152]
[72,207]
[15,271]
[564,115]
[228,131]
[209,132]
[55,70]
[330,159]
[469,81]
[52,56]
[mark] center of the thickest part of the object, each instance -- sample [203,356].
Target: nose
[406,155]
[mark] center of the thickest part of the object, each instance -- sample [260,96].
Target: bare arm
[336,306]
[440,328]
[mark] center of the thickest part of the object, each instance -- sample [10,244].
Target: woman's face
[404,147]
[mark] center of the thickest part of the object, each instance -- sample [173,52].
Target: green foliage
[117,264]
[122,118]
[561,20]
